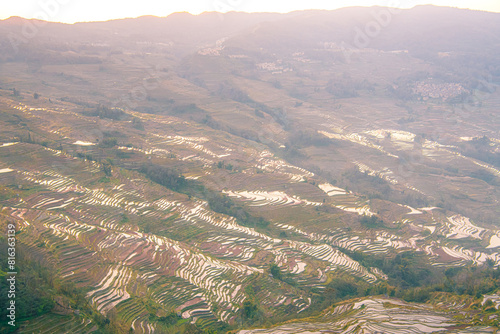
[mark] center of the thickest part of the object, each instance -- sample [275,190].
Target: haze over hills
[426,29]
[304,172]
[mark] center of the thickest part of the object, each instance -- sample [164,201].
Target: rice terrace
[251,171]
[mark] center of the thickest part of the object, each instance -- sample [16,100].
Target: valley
[169,184]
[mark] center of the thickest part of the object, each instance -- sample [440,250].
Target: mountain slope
[255,174]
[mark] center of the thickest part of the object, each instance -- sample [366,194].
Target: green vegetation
[230,91]
[187,109]
[137,124]
[33,295]
[223,204]
[172,323]
[275,271]
[217,202]
[108,142]
[377,187]
[371,221]
[105,112]
[286,277]
[480,148]
[305,138]
[165,176]
[39,290]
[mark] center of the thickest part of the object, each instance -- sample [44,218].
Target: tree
[106,168]
[108,142]
[371,221]
[275,271]
[137,124]
[249,309]
[165,176]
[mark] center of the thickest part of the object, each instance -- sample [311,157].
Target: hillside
[229,173]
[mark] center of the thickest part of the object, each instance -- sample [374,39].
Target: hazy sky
[99,10]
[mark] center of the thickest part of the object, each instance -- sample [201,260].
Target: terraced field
[110,257]
[204,279]
[58,324]
[380,315]
[249,184]
[275,198]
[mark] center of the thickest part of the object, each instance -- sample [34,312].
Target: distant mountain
[184,29]
[424,31]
